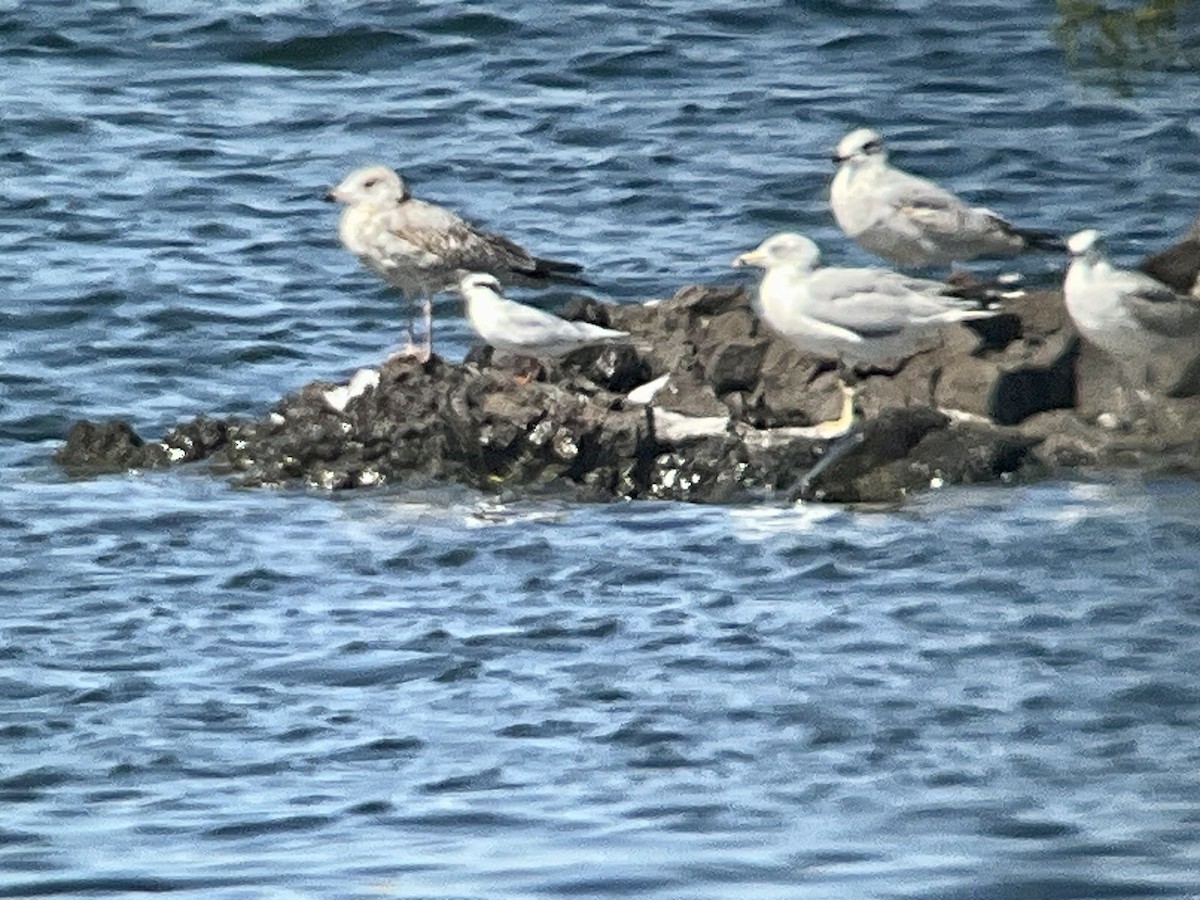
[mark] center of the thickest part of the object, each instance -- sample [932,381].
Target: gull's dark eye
[371,183]
[872,146]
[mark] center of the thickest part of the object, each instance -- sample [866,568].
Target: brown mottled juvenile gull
[423,249]
[1151,330]
[514,329]
[912,221]
[851,315]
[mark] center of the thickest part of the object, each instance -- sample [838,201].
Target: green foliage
[1114,43]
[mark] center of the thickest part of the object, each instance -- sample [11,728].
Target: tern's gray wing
[518,325]
[871,302]
[458,245]
[1156,307]
[530,324]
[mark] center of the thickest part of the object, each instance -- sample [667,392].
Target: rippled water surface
[418,692]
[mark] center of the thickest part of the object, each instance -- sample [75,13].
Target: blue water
[421,692]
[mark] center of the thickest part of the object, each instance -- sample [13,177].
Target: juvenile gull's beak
[330,196]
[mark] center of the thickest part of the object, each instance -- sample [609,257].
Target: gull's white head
[478,281]
[1083,243]
[373,184]
[784,249]
[859,145]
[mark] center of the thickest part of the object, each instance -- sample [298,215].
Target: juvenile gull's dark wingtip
[1040,239]
[560,271]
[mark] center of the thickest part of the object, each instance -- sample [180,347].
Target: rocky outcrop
[742,415]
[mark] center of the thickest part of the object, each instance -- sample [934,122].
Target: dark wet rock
[1177,266]
[194,440]
[1017,396]
[902,451]
[93,448]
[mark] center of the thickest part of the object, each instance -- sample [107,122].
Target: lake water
[421,692]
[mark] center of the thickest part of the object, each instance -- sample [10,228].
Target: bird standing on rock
[912,221]
[516,330]
[423,249]
[851,315]
[1151,330]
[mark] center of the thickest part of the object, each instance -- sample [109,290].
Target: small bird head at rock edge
[479,281]
[785,248]
[1084,243]
[859,145]
[375,184]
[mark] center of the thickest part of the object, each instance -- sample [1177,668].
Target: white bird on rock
[1150,329]
[515,330]
[851,315]
[423,249]
[912,221]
